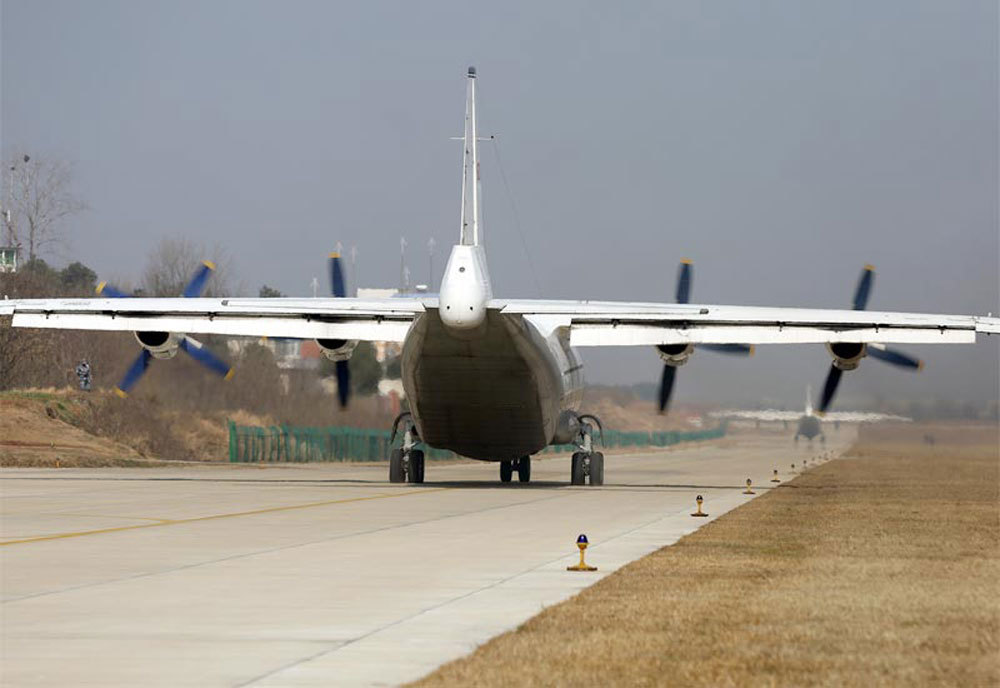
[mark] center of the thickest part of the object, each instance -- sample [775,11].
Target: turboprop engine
[337,349]
[162,345]
[847,355]
[676,355]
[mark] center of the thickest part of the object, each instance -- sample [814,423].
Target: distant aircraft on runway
[490,378]
[809,423]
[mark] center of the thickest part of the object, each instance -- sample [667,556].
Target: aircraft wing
[769,415]
[594,323]
[774,415]
[316,318]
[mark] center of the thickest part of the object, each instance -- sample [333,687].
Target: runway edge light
[698,500]
[581,543]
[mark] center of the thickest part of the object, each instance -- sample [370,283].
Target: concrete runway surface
[324,574]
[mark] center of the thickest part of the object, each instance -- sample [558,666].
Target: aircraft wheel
[506,471]
[396,472]
[416,466]
[597,468]
[576,470]
[524,469]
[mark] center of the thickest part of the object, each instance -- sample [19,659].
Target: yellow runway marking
[165,522]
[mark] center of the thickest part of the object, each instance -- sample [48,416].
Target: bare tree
[172,263]
[37,198]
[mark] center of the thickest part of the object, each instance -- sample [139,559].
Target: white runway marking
[318,575]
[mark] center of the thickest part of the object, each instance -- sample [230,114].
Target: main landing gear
[406,463]
[587,463]
[522,466]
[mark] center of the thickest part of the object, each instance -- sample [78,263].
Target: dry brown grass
[881,568]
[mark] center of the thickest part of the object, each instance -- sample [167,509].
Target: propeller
[343,370]
[188,345]
[683,295]
[877,351]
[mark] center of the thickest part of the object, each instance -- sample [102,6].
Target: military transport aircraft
[488,378]
[808,422]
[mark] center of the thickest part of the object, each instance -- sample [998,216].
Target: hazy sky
[780,145]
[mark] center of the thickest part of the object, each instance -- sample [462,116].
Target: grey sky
[781,145]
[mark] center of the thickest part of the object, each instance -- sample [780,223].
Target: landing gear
[522,466]
[524,469]
[586,462]
[406,463]
[585,465]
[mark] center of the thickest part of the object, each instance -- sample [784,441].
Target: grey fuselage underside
[494,393]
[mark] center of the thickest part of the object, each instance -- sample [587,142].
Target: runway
[319,575]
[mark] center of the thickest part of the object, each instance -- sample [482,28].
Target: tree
[77,278]
[37,199]
[172,263]
[267,292]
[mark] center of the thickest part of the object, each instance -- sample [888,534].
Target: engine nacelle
[161,345]
[675,354]
[567,428]
[337,349]
[847,355]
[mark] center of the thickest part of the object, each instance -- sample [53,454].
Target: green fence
[288,444]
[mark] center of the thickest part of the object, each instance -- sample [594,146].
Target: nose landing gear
[522,466]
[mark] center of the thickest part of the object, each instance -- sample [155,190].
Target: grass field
[882,568]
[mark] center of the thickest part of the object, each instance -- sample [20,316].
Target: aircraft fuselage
[495,392]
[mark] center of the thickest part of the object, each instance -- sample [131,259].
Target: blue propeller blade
[343,382]
[197,284]
[864,288]
[337,276]
[198,352]
[684,281]
[108,291]
[666,386]
[830,388]
[896,358]
[732,349]
[135,371]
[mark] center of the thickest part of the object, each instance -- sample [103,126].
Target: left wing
[316,318]
[596,323]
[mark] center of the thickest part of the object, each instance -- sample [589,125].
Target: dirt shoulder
[881,568]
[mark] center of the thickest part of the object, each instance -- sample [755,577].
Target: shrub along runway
[325,574]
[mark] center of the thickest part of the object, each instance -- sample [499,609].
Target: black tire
[396,472]
[576,470]
[416,466]
[524,469]
[506,471]
[597,468]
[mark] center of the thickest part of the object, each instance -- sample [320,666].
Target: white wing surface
[594,323]
[317,318]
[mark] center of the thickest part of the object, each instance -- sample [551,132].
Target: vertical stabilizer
[465,284]
[809,404]
[470,167]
